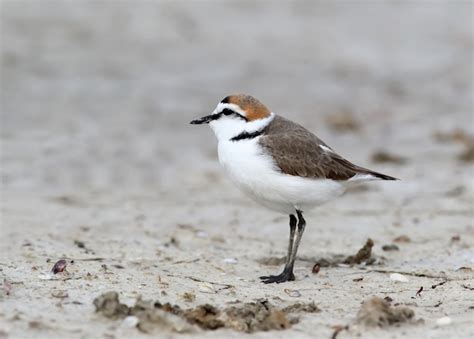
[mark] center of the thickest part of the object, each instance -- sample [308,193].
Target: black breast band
[247,135]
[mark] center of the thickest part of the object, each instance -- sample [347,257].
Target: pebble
[130,322]
[444,321]
[230,260]
[202,234]
[206,288]
[45,276]
[398,277]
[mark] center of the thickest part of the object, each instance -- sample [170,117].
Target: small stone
[202,234]
[130,322]
[45,276]
[391,247]
[398,277]
[402,238]
[60,294]
[207,288]
[444,321]
[230,261]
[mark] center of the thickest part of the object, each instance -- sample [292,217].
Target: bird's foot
[281,278]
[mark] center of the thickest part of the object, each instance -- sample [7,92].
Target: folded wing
[296,151]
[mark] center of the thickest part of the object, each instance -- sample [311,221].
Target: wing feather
[298,152]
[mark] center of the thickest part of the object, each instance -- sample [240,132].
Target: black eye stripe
[228,112]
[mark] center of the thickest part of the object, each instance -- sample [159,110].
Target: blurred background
[98,95]
[99,161]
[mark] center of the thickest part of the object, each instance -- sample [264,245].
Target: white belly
[256,174]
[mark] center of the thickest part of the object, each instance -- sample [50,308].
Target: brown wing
[297,151]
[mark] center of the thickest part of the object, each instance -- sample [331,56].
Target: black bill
[204,120]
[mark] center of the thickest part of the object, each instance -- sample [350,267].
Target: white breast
[253,170]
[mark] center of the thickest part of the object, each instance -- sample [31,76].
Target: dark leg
[292,237]
[299,235]
[287,274]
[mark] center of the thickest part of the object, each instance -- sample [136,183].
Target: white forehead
[236,108]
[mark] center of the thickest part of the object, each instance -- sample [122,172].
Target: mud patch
[461,137]
[205,316]
[343,121]
[257,316]
[377,312]
[363,256]
[468,154]
[384,157]
[251,317]
[272,261]
[154,318]
[302,307]
[457,135]
[108,305]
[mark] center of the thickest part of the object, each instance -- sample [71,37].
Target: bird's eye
[227,111]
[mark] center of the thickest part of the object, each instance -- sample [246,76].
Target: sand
[100,167]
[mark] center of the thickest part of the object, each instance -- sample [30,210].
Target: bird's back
[299,152]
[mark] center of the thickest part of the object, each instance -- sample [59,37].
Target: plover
[280,164]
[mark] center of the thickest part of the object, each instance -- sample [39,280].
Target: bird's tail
[368,175]
[382,176]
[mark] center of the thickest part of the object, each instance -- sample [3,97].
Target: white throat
[227,128]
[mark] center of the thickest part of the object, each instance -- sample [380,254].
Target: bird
[280,165]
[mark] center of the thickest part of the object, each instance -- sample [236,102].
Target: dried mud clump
[468,154]
[205,316]
[155,317]
[108,304]
[363,255]
[302,307]
[378,312]
[256,316]
[250,317]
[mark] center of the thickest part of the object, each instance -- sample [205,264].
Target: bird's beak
[203,120]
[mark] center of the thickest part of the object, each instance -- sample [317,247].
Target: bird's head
[236,114]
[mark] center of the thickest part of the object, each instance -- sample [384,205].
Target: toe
[281,278]
[268,279]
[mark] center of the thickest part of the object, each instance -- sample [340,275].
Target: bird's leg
[299,235]
[292,238]
[287,274]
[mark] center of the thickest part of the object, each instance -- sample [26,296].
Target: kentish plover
[279,164]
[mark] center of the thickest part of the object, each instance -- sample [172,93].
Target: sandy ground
[100,166]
